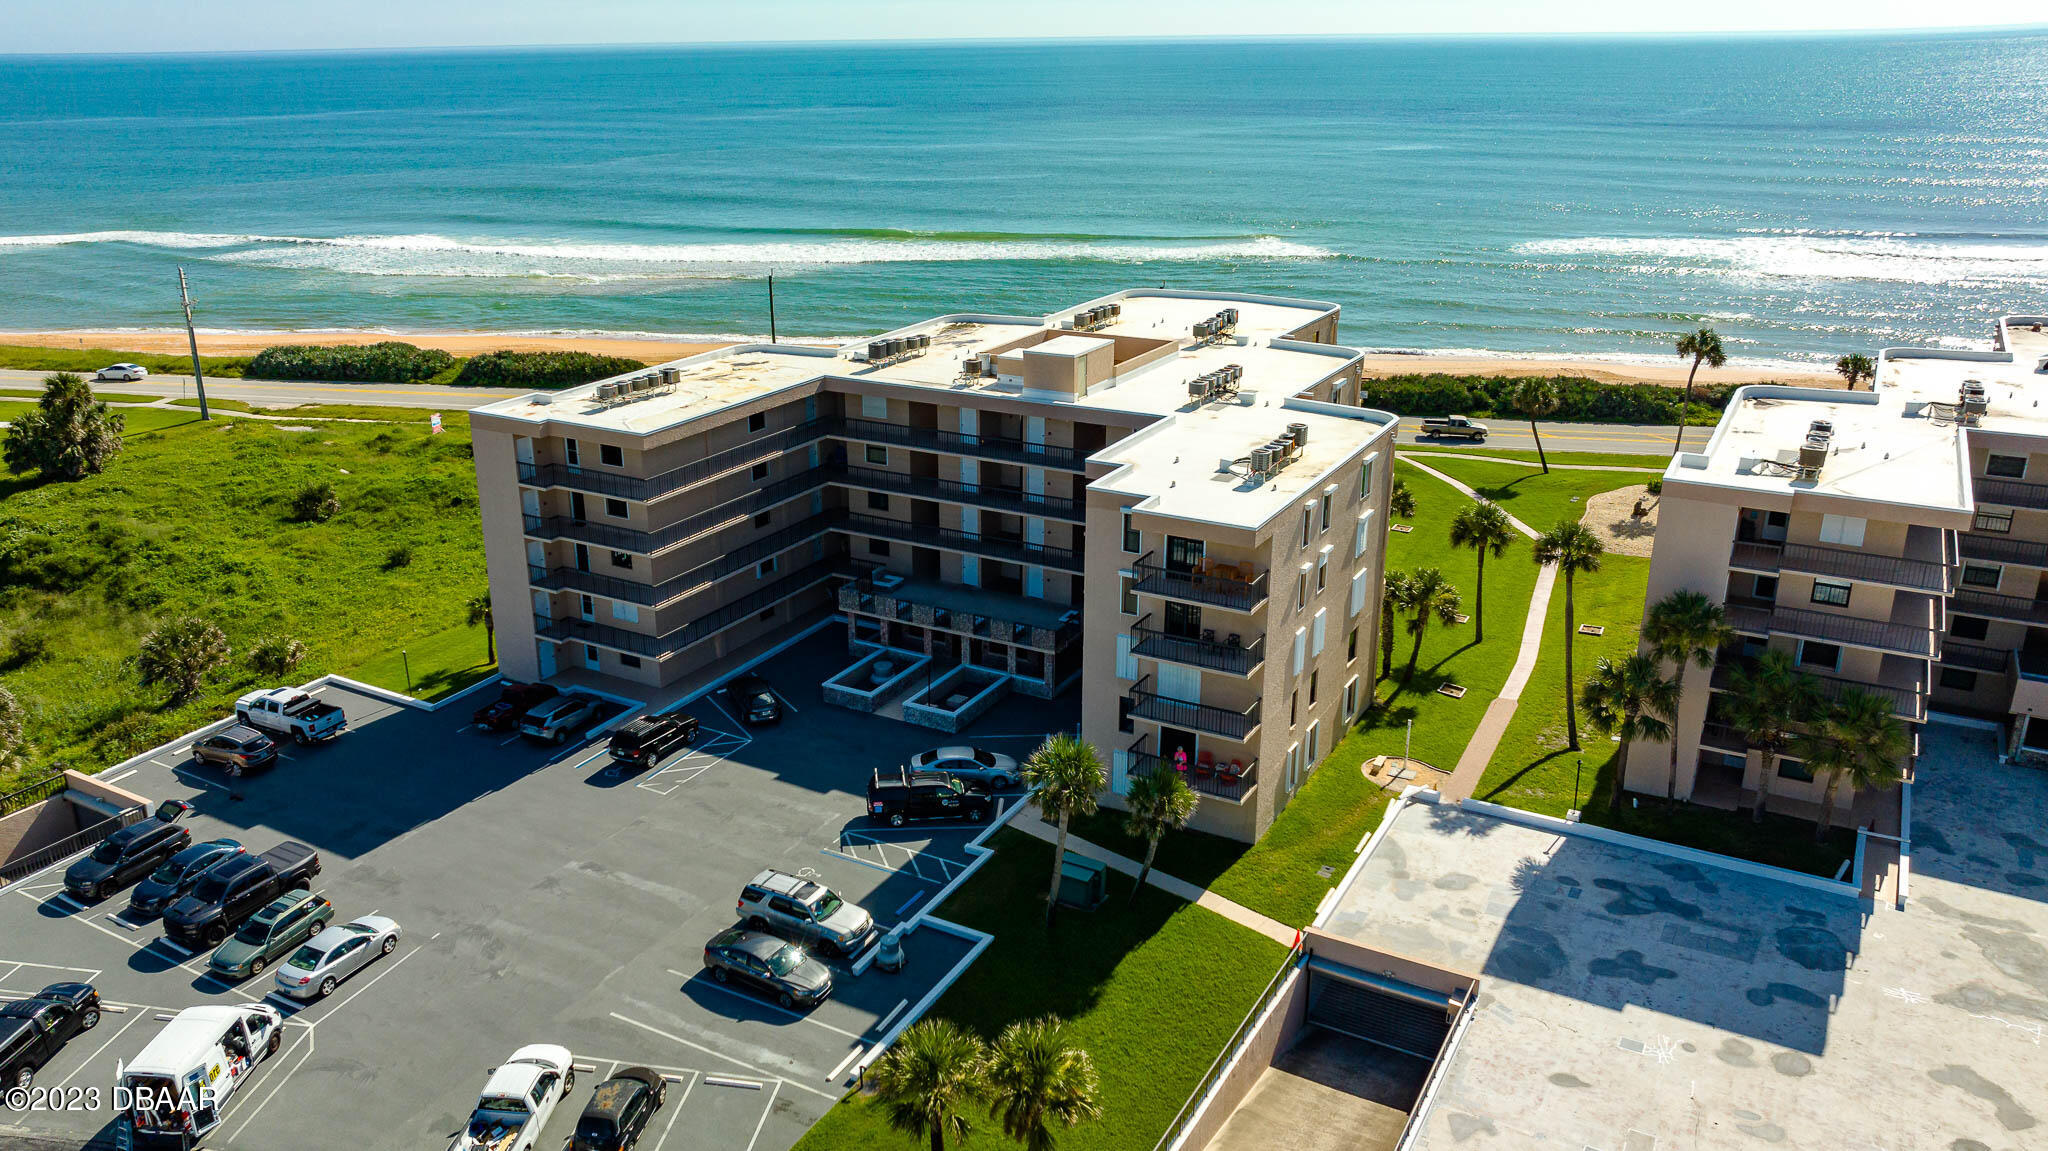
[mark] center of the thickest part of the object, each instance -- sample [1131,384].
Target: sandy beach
[658,350]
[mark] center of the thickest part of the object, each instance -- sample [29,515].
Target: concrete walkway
[1271,928]
[1410,457]
[1464,779]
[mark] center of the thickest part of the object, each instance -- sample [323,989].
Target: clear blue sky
[230,25]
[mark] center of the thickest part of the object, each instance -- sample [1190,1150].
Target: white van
[174,1092]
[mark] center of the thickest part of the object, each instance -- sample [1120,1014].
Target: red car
[514,700]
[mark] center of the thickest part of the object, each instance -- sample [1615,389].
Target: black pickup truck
[237,889]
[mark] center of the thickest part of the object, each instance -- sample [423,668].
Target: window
[628,660]
[759,471]
[765,616]
[1314,678]
[1351,648]
[1365,476]
[588,605]
[1323,571]
[764,519]
[878,502]
[877,455]
[1127,596]
[1326,509]
[1293,707]
[1982,575]
[1968,627]
[1821,655]
[1307,517]
[878,547]
[1351,697]
[1315,740]
[758,422]
[1988,521]
[611,455]
[1834,593]
[765,568]
[570,453]
[621,560]
[1844,530]
[615,508]
[1301,588]
[1958,679]
[1123,714]
[1794,770]
[1133,541]
[625,611]
[874,407]
[1766,587]
[2005,467]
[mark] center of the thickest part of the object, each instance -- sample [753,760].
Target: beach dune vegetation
[541,369]
[388,362]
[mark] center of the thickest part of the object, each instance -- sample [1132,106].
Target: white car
[323,961]
[122,372]
[970,765]
[517,1100]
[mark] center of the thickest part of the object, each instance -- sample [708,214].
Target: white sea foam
[434,255]
[1864,256]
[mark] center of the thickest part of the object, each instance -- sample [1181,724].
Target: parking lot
[544,899]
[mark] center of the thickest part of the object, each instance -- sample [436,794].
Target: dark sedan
[177,875]
[754,700]
[619,1110]
[773,965]
[33,1030]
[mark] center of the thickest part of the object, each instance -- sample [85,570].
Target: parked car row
[521,1094]
[539,711]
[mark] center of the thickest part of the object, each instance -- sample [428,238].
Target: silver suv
[805,912]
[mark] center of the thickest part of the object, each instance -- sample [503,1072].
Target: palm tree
[480,613]
[1036,1082]
[1854,368]
[1066,775]
[1401,501]
[926,1082]
[1393,592]
[1574,549]
[1768,701]
[1536,398]
[1429,596]
[1683,628]
[1631,699]
[1858,740]
[1703,346]
[1159,801]
[1483,527]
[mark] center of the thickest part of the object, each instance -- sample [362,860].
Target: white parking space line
[775,1007]
[713,701]
[716,1054]
[310,1040]
[876,866]
[772,1093]
[120,777]
[395,965]
[188,777]
[858,1050]
[883,1023]
[677,1110]
[11,969]
[87,921]
[132,1020]
[515,737]
[91,973]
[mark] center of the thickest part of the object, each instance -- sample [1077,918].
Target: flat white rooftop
[1188,468]
[1162,316]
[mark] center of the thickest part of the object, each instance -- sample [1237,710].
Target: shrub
[315,504]
[67,436]
[398,557]
[541,369]
[389,362]
[10,728]
[23,648]
[1656,485]
[180,653]
[1579,399]
[277,656]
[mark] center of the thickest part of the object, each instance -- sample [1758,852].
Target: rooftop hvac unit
[1263,460]
[878,350]
[636,385]
[924,340]
[1204,330]
[971,366]
[1198,390]
[1812,457]
[1116,310]
[1299,434]
[670,376]
[606,393]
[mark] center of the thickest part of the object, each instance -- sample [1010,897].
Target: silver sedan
[317,967]
[972,765]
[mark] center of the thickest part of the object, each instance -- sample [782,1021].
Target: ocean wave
[1814,256]
[436,255]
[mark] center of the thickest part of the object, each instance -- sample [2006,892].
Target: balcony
[1842,563]
[964,444]
[652,595]
[1722,737]
[1913,639]
[2003,550]
[969,611]
[1221,781]
[978,495]
[1750,616]
[648,542]
[1975,657]
[1015,549]
[675,479]
[1202,717]
[703,627]
[1213,588]
[2010,493]
[2018,609]
[1900,681]
[1206,653]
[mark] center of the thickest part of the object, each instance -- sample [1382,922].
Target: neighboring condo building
[1888,540]
[1174,496]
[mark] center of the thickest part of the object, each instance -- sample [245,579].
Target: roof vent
[1813,454]
[1221,383]
[1974,402]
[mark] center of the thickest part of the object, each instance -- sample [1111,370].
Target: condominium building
[1887,540]
[1174,496]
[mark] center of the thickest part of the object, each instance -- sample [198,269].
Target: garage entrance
[1399,1016]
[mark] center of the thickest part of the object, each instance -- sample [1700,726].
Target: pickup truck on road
[1455,428]
[289,712]
[236,889]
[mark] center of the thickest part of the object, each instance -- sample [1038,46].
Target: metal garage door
[1411,1020]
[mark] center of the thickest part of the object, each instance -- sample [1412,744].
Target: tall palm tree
[1483,527]
[1536,398]
[1858,739]
[1684,628]
[1855,368]
[1703,346]
[1393,591]
[1036,1082]
[1768,701]
[1400,499]
[1430,597]
[480,613]
[1631,699]
[926,1082]
[1159,802]
[1574,549]
[1067,776]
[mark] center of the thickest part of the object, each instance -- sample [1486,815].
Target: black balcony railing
[1975,657]
[1722,737]
[1199,587]
[1878,635]
[1907,704]
[911,604]
[762,447]
[1222,780]
[1202,717]
[1015,549]
[1999,549]
[964,444]
[1752,617]
[703,627]
[2018,609]
[648,542]
[1213,655]
[1894,571]
[978,495]
[1749,555]
[2010,493]
[726,563]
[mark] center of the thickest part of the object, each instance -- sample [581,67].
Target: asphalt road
[1637,439]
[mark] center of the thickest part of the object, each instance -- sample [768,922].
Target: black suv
[129,854]
[906,795]
[619,1110]
[34,1029]
[648,739]
[753,699]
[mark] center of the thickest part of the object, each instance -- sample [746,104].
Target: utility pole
[192,340]
[771,307]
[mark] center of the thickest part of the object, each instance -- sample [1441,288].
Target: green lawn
[1527,494]
[1151,992]
[1194,856]
[86,361]
[191,519]
[1590,459]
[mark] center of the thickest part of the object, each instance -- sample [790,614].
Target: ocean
[1805,196]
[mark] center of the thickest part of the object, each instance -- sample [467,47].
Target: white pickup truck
[287,712]
[518,1098]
